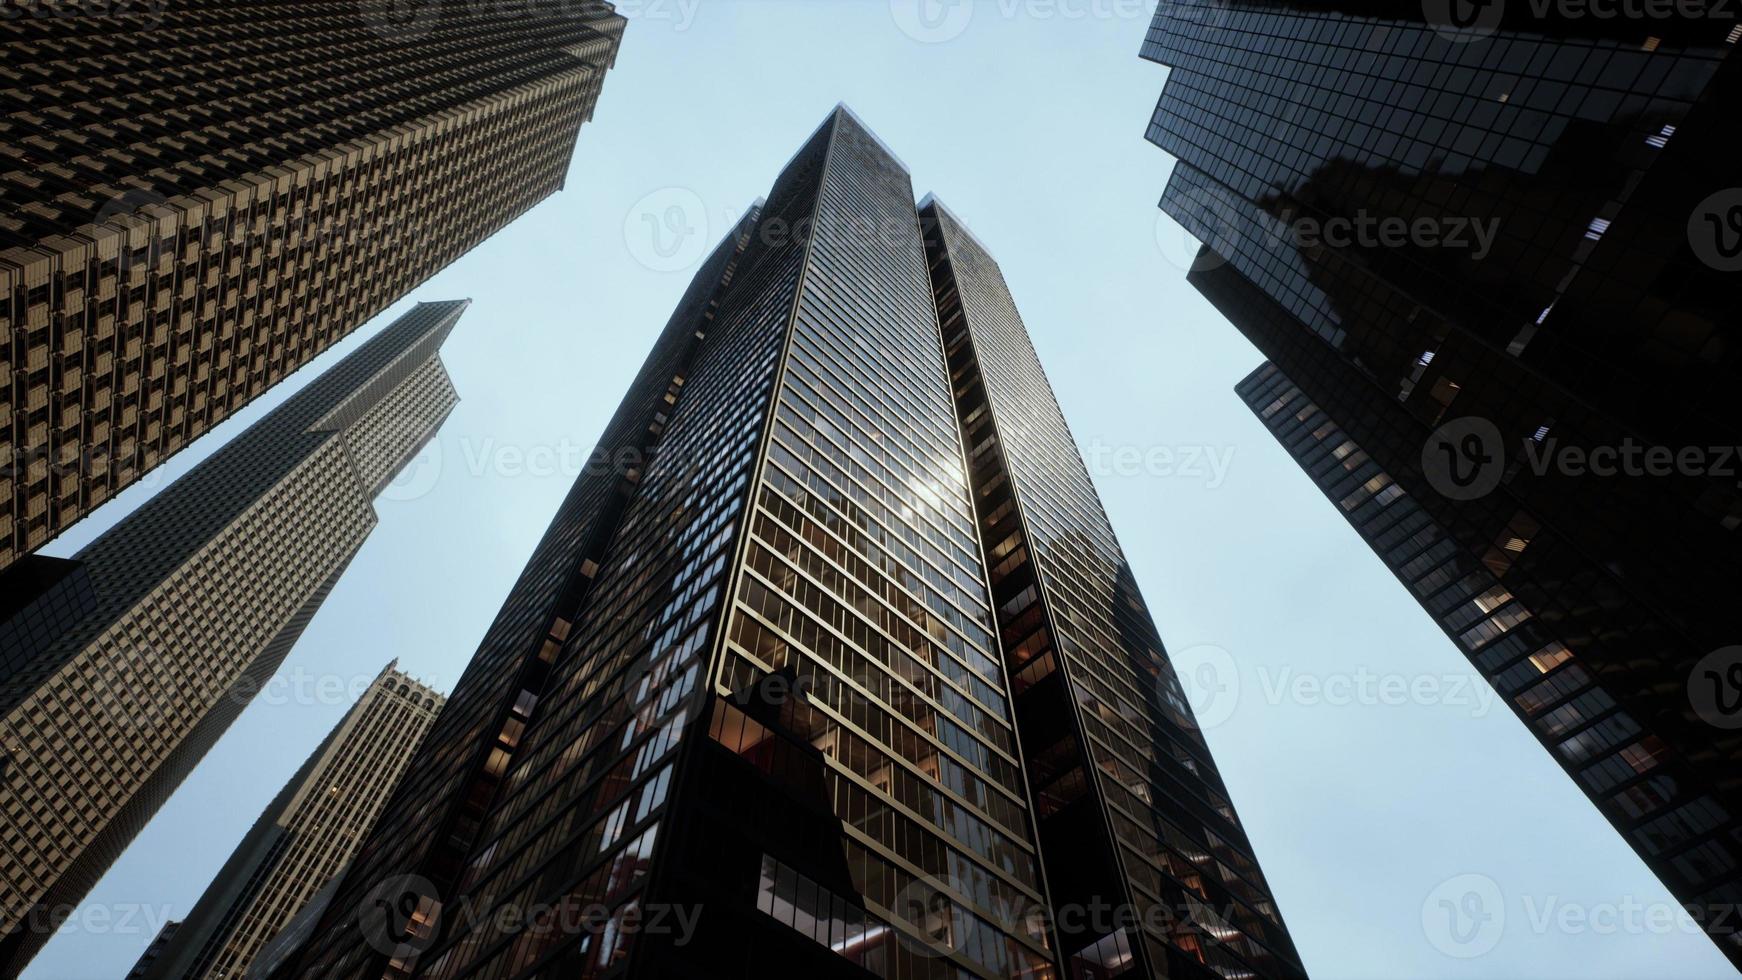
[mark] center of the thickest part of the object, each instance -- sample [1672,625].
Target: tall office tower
[420,845]
[196,198]
[747,712]
[1130,804]
[147,644]
[1494,262]
[305,837]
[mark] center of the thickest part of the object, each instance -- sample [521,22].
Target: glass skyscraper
[829,665]
[1489,251]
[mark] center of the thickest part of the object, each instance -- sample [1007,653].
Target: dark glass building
[1491,261]
[153,638]
[829,665]
[1129,802]
[198,197]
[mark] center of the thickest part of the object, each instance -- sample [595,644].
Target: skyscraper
[761,701]
[1114,755]
[141,650]
[200,197]
[1491,264]
[305,836]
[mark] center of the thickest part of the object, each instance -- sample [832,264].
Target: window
[1550,657]
[1444,392]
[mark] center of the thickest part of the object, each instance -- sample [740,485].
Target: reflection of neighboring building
[306,835]
[853,668]
[1455,374]
[148,643]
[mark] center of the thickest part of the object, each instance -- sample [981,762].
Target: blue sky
[1366,810]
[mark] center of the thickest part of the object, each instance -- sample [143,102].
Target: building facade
[1114,755]
[199,197]
[766,701]
[1492,260]
[159,943]
[147,644]
[306,835]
